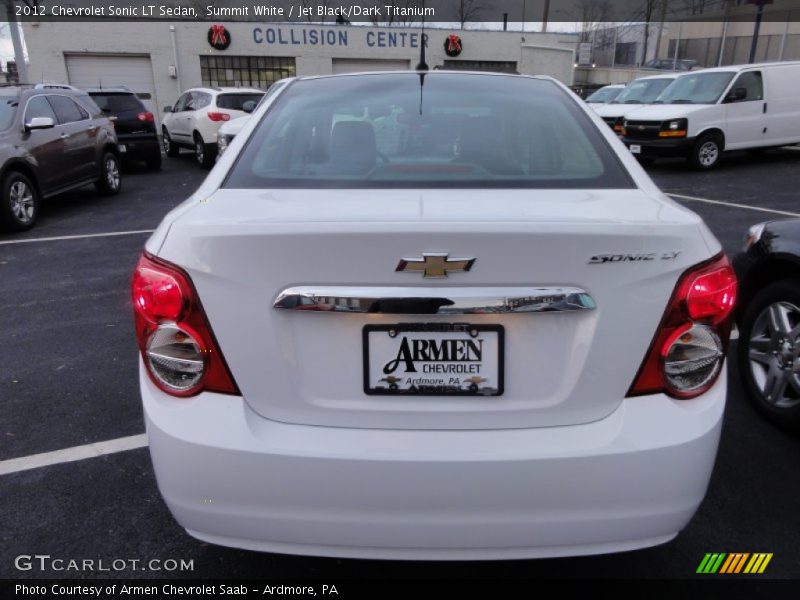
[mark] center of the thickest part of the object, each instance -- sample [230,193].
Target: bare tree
[592,15]
[469,10]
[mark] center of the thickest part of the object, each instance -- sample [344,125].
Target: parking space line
[773,211]
[35,461]
[75,237]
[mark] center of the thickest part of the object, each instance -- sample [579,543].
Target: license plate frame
[473,390]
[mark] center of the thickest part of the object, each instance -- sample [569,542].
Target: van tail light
[688,350]
[179,350]
[145,116]
[219,116]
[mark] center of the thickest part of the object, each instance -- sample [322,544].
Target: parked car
[193,121]
[432,315]
[769,320]
[671,64]
[51,140]
[705,113]
[605,94]
[639,91]
[231,128]
[137,134]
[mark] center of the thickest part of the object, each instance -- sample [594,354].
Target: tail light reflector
[178,347]
[219,116]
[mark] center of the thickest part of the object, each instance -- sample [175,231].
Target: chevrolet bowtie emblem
[435,265]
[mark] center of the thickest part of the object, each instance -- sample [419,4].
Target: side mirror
[40,123]
[249,106]
[167,109]
[737,94]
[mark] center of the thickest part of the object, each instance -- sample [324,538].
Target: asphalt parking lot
[68,377]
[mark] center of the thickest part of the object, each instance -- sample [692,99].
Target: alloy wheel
[22,205]
[773,350]
[112,173]
[708,153]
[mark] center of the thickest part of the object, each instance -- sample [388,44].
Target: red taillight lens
[219,116]
[145,116]
[178,348]
[712,295]
[688,349]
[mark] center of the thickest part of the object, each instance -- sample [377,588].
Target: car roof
[226,90]
[114,89]
[747,67]
[661,76]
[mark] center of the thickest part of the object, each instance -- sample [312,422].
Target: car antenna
[422,67]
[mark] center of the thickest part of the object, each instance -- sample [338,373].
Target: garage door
[134,72]
[355,65]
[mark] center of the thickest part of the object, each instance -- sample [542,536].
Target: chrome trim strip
[434,300]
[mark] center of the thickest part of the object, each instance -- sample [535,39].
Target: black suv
[135,125]
[51,140]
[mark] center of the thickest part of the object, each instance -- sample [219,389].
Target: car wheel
[170,149]
[153,162]
[20,202]
[110,181]
[203,153]
[706,152]
[769,352]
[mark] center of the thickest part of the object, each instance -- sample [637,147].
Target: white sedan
[432,316]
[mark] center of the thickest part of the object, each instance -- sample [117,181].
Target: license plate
[433,359]
[635,149]
[122,148]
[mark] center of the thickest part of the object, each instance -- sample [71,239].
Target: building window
[245,71]
[497,66]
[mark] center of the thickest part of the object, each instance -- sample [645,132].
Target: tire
[19,202]
[768,355]
[204,153]
[110,181]
[153,162]
[706,152]
[170,149]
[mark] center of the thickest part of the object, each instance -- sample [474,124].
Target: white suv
[197,115]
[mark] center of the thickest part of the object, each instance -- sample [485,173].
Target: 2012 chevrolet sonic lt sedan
[432,315]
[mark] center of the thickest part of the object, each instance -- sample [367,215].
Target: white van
[706,112]
[639,91]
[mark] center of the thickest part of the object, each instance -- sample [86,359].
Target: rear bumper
[662,148]
[631,480]
[139,146]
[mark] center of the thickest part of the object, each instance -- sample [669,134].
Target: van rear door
[782,85]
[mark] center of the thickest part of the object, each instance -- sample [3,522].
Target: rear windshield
[642,91]
[8,108]
[117,103]
[236,101]
[454,130]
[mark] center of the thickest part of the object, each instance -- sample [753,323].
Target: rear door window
[67,110]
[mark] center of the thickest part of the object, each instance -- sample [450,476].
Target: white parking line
[773,211]
[34,461]
[75,237]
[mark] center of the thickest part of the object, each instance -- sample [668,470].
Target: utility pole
[16,41]
[757,27]
[545,15]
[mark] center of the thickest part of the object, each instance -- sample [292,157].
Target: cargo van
[704,113]
[639,91]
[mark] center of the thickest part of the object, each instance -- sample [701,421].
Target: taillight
[219,116]
[145,116]
[178,348]
[688,350]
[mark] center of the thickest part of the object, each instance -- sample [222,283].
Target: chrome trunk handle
[434,300]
